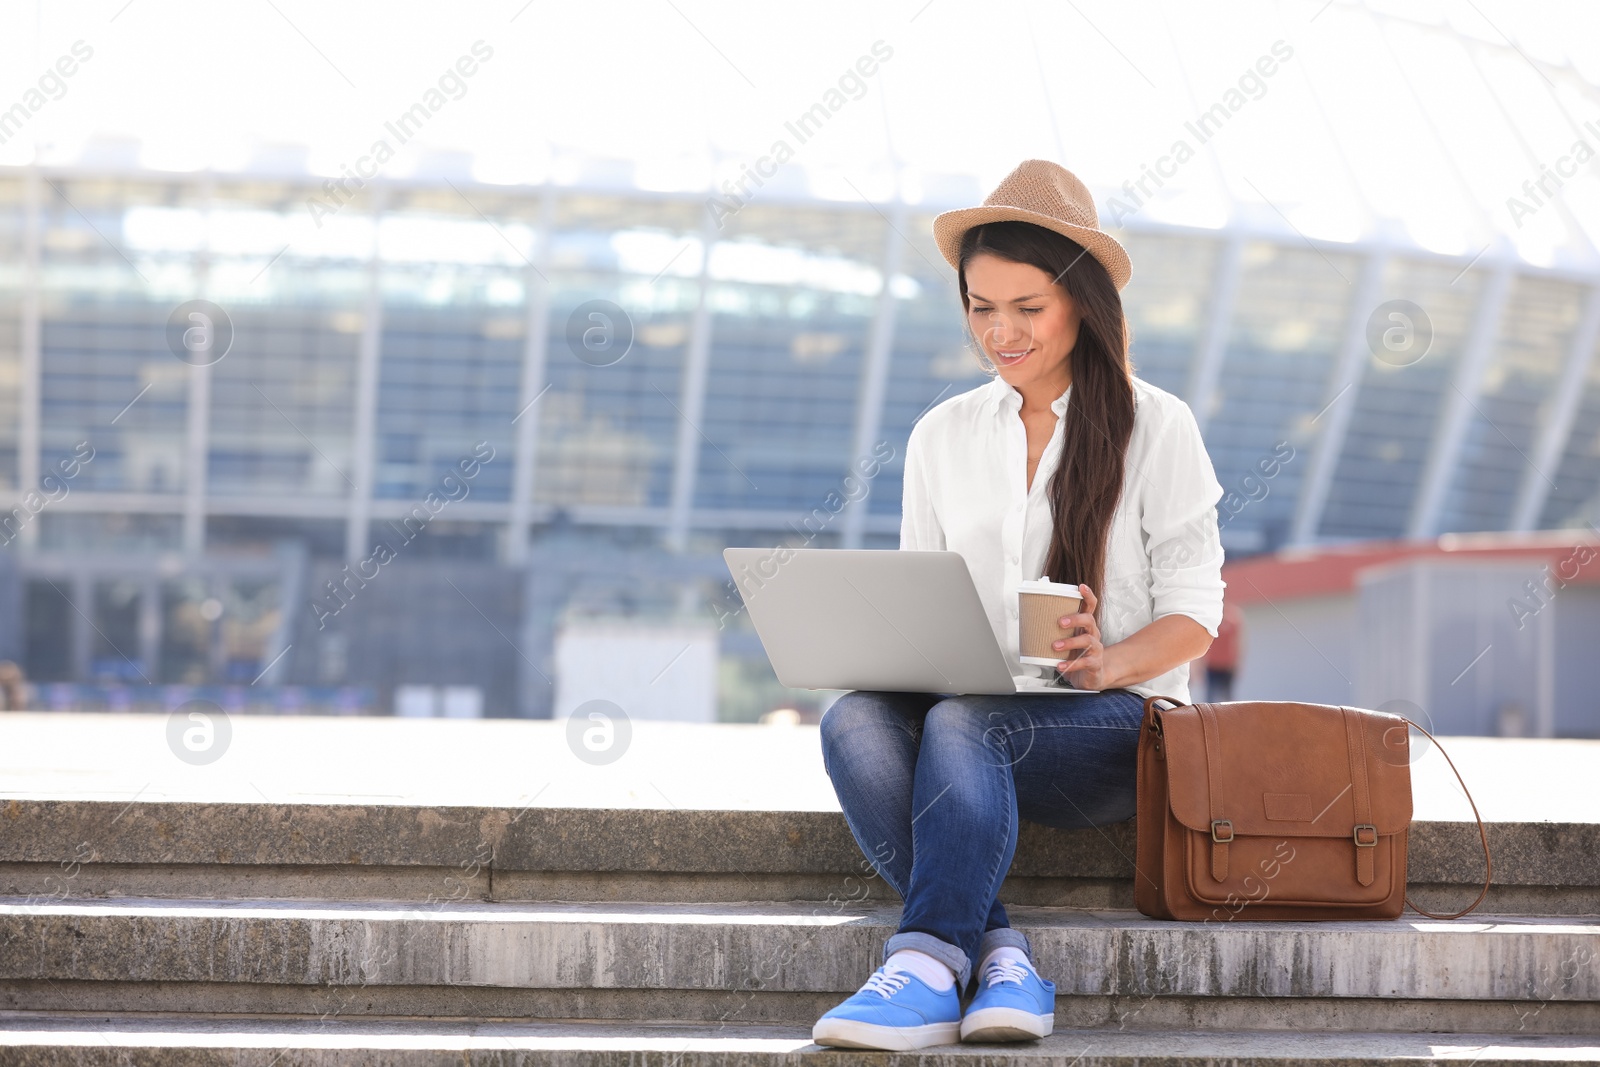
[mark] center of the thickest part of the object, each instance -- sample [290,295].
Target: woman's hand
[1085,666]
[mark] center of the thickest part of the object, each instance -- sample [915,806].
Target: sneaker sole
[1005,1024]
[852,1033]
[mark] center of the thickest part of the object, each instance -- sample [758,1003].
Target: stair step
[776,962]
[28,1040]
[59,849]
[156,913]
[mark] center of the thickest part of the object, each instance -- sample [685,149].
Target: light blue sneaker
[896,1011]
[1013,1004]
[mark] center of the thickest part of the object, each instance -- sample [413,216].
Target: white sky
[972,87]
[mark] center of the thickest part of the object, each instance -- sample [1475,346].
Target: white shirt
[966,490]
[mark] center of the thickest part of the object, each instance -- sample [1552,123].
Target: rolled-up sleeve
[1179,517]
[919,524]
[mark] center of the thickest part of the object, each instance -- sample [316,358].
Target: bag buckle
[1366,835]
[1222,831]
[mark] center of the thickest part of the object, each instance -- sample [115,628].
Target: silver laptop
[875,619]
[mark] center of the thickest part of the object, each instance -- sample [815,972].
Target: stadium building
[553,406]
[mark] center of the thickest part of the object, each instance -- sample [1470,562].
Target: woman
[1065,466]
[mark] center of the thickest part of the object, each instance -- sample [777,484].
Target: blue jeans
[932,787]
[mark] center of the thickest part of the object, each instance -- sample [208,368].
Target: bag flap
[1285,768]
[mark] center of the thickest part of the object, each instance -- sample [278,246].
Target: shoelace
[886,981]
[1004,970]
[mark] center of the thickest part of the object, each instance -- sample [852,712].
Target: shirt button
[1015,559]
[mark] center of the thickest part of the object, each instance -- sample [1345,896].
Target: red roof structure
[1572,555]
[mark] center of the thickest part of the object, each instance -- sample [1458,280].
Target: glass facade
[106,375]
[607,428]
[1575,498]
[792,304]
[1288,322]
[13,280]
[608,417]
[1168,304]
[1525,367]
[1398,406]
[281,404]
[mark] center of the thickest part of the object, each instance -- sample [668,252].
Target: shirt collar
[1002,392]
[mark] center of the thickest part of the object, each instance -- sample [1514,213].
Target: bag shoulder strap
[1483,836]
[1149,703]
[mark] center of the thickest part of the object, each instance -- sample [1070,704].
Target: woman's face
[1026,323]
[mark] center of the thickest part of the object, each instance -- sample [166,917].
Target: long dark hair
[1099,418]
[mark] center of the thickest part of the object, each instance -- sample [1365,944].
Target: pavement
[517,763]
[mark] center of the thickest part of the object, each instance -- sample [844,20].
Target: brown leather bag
[1273,810]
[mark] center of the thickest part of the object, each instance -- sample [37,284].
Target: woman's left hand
[1085,669]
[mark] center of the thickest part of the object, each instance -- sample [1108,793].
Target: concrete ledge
[775,947]
[33,1041]
[779,1007]
[45,882]
[404,852]
[476,1003]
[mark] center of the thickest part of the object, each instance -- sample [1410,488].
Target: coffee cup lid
[1045,585]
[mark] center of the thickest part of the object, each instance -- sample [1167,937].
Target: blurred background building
[635,385]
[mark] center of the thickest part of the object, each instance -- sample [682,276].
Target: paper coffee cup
[1040,605]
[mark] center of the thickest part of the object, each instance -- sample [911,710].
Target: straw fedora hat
[1045,194]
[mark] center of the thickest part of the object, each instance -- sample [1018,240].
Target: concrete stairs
[352,934]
